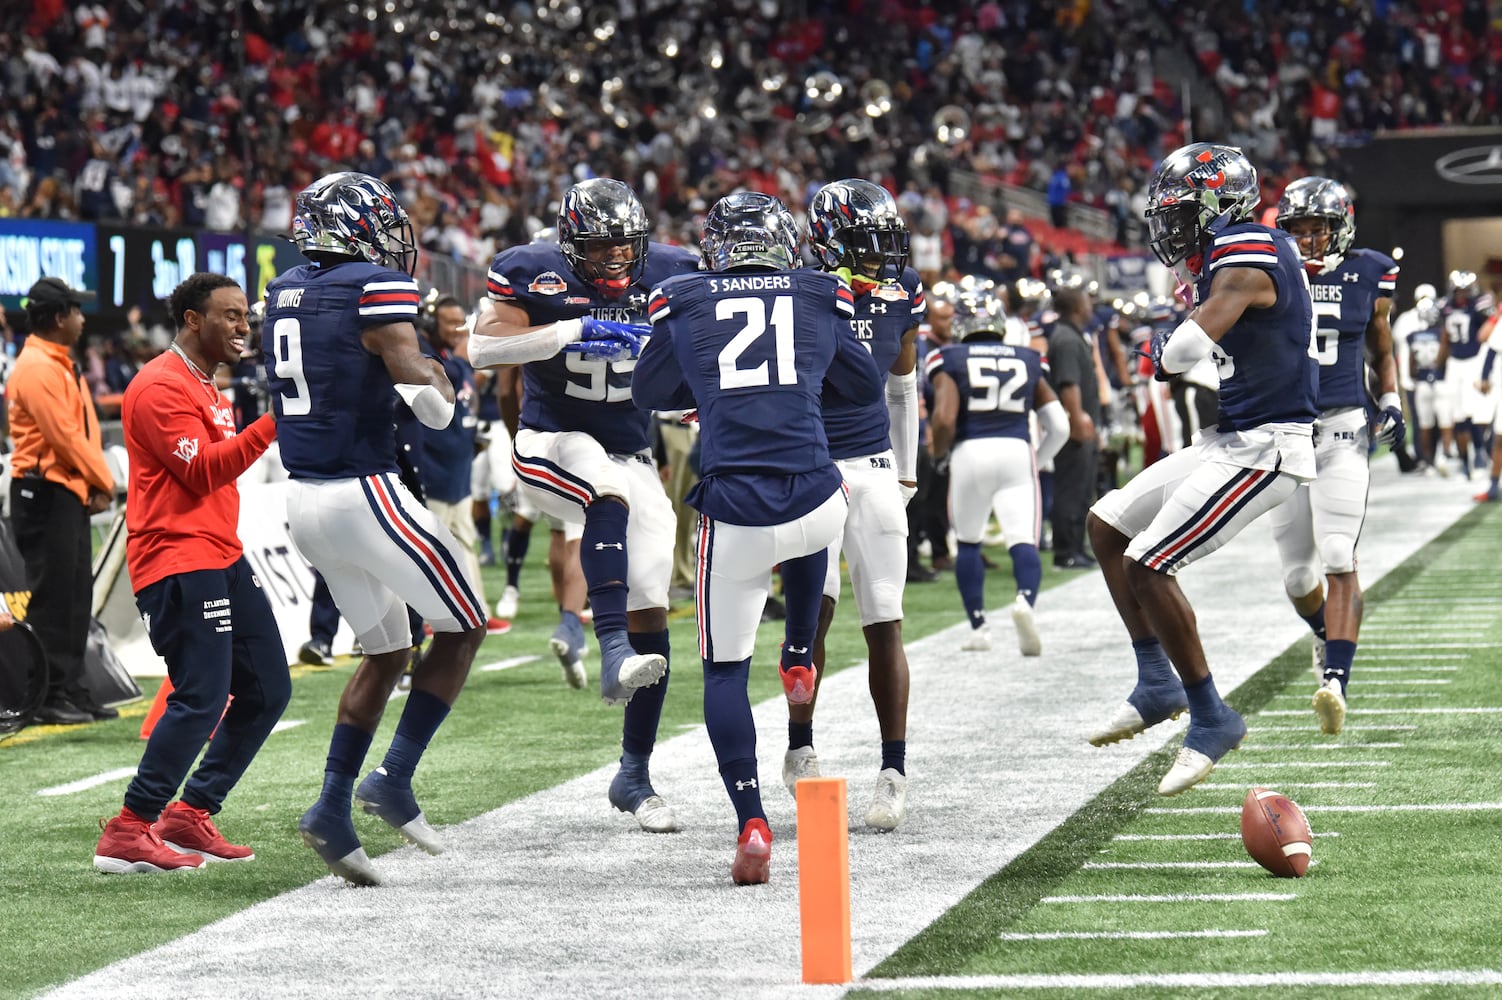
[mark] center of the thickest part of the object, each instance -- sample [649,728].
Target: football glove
[1390,426]
[609,330]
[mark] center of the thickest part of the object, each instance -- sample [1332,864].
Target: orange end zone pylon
[159,705]
[824,880]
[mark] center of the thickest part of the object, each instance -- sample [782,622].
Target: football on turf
[1275,833]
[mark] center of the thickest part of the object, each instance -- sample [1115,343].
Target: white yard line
[1409,807]
[1262,765]
[1167,865]
[1188,897]
[94,781]
[1322,746]
[507,664]
[1344,729]
[559,896]
[1406,670]
[1127,935]
[1213,786]
[1193,980]
[1364,712]
[1200,836]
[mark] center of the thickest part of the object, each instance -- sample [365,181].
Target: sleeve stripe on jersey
[1259,259]
[388,310]
[1243,238]
[388,298]
[844,301]
[657,306]
[934,363]
[391,286]
[1244,247]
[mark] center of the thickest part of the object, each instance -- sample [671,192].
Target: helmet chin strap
[1326,264]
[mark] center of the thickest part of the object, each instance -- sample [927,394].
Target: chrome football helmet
[597,217]
[979,314]
[1318,213]
[349,214]
[854,224]
[1463,285]
[1196,187]
[749,229]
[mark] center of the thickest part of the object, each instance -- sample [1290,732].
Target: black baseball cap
[49,292]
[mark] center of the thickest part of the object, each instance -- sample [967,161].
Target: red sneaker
[127,844]
[191,831]
[798,683]
[497,626]
[753,854]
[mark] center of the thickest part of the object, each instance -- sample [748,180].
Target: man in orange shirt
[204,608]
[59,480]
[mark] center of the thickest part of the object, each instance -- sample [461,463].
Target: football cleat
[570,646]
[798,683]
[797,764]
[753,854]
[1492,495]
[128,845]
[978,641]
[395,805]
[622,670]
[889,802]
[631,792]
[1159,704]
[331,833]
[190,831]
[1029,643]
[506,606]
[1318,659]
[497,626]
[316,653]
[1330,706]
[1210,744]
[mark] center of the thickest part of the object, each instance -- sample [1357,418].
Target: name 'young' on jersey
[753,351]
[883,316]
[1268,372]
[1344,300]
[569,392]
[997,385]
[334,399]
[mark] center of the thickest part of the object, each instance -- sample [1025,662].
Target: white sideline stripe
[1245,766]
[1324,746]
[1180,897]
[1201,836]
[119,773]
[1370,694]
[84,784]
[1406,670]
[1126,935]
[1431,645]
[1168,865]
[1393,711]
[1414,680]
[1190,980]
[1296,784]
[1305,729]
[1423,807]
[1391,658]
[515,661]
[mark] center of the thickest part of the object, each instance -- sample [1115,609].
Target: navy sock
[639,730]
[516,543]
[800,734]
[1027,570]
[732,731]
[1339,655]
[482,528]
[894,755]
[423,714]
[602,557]
[970,574]
[1153,666]
[802,592]
[1316,621]
[1205,706]
[347,749]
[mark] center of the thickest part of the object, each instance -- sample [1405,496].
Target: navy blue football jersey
[753,350]
[334,399]
[1463,325]
[1344,301]
[882,317]
[1268,372]
[997,383]
[569,392]
[1425,348]
[448,455]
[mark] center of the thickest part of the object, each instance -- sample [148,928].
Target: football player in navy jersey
[340,348]
[1255,318]
[984,392]
[1464,314]
[583,452]
[1428,353]
[752,344]
[1316,529]
[856,232]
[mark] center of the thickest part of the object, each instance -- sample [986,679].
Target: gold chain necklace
[203,377]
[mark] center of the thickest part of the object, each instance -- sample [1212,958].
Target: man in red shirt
[204,609]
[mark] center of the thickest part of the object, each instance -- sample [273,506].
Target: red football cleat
[753,854]
[798,683]
[497,626]
[128,844]
[191,831]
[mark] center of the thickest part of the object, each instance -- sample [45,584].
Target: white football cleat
[1189,769]
[505,608]
[796,764]
[656,816]
[978,641]
[889,802]
[1028,641]
[1330,706]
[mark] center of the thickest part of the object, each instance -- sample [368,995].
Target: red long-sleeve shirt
[183,509]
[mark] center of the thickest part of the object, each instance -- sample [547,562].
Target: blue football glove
[604,329]
[604,349]
[1154,353]
[1390,426]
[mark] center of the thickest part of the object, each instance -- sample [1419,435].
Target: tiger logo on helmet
[350,214]
[1197,188]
